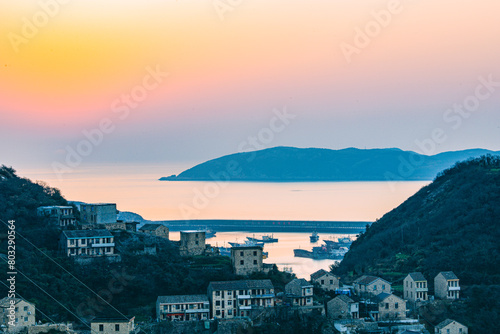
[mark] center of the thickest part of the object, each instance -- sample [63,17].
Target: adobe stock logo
[31,26]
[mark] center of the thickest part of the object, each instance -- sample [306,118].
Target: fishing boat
[247,243]
[314,237]
[326,251]
[265,239]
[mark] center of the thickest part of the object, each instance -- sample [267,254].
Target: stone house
[389,307]
[157,230]
[183,308]
[342,307]
[240,298]
[62,216]
[16,313]
[371,285]
[110,325]
[415,287]
[90,243]
[447,285]
[98,213]
[246,260]
[450,326]
[299,292]
[326,280]
[192,243]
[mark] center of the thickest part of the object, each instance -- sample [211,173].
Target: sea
[136,188]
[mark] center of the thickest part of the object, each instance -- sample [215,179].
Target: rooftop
[448,274]
[151,227]
[446,323]
[242,285]
[417,277]
[319,273]
[301,282]
[344,298]
[5,302]
[87,234]
[181,299]
[367,279]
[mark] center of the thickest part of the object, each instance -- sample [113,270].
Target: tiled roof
[380,297]
[181,299]
[87,234]
[242,285]
[150,227]
[301,282]
[5,302]
[446,323]
[344,298]
[448,275]
[417,277]
[366,279]
[318,274]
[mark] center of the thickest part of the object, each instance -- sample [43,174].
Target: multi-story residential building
[192,243]
[343,307]
[98,213]
[16,314]
[183,308]
[450,326]
[246,260]
[299,292]
[447,285]
[415,287]
[87,242]
[157,230]
[240,298]
[389,307]
[371,285]
[62,216]
[326,280]
[109,325]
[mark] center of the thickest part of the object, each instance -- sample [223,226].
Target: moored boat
[314,237]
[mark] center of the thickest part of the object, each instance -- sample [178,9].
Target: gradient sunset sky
[227,75]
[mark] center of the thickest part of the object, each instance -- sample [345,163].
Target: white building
[87,243]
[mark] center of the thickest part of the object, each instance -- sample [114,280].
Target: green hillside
[451,224]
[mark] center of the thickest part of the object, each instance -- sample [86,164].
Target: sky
[180,82]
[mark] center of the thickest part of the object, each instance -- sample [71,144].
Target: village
[368,304]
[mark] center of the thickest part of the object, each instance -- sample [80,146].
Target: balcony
[244,297]
[269,295]
[200,310]
[421,290]
[249,307]
[111,244]
[453,288]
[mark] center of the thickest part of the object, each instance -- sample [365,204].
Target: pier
[227,225]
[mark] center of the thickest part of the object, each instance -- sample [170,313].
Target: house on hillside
[192,243]
[389,307]
[157,230]
[240,298]
[98,213]
[112,325]
[299,292]
[371,285]
[87,243]
[447,285]
[415,287]
[247,260]
[342,307]
[183,308]
[450,326]
[62,216]
[23,314]
[326,280]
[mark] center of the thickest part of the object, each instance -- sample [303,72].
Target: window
[331,281]
[254,261]
[217,293]
[196,242]
[117,327]
[383,286]
[25,319]
[386,306]
[322,281]
[217,312]
[229,293]
[254,253]
[396,305]
[72,242]
[101,328]
[229,302]
[241,253]
[25,308]
[217,303]
[374,287]
[230,312]
[196,235]
[242,262]
[448,331]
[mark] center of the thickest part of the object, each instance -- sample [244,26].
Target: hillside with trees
[451,224]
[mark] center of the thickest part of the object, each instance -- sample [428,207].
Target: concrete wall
[388,310]
[328,282]
[192,243]
[246,260]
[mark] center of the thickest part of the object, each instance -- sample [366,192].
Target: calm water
[281,252]
[137,189]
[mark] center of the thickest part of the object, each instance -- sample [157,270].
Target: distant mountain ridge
[290,164]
